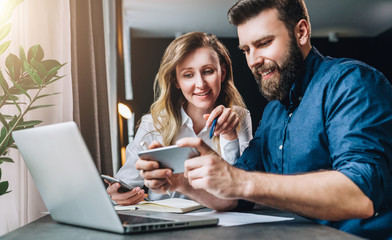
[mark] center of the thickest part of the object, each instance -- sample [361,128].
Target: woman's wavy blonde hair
[166,109]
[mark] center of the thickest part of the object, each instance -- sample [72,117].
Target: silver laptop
[71,187]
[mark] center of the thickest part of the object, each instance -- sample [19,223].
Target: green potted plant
[23,80]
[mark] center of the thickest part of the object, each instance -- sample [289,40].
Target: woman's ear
[176,84]
[223,72]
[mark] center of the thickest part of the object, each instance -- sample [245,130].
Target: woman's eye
[208,71]
[188,75]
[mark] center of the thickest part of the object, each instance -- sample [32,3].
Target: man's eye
[262,44]
[245,51]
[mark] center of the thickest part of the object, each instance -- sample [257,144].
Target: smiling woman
[194,85]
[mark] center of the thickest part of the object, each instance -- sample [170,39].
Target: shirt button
[300,98]
[280,147]
[291,114]
[376,214]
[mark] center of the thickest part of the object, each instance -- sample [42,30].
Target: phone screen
[124,187]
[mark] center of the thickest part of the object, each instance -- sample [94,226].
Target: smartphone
[124,187]
[172,157]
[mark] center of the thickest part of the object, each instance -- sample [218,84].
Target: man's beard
[278,87]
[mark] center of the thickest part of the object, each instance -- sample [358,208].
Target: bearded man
[323,148]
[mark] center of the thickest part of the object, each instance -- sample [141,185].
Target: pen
[213,127]
[144,145]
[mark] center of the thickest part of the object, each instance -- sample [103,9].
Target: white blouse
[230,150]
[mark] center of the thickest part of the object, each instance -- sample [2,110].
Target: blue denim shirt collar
[312,63]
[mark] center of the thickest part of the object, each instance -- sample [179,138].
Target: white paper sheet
[227,219]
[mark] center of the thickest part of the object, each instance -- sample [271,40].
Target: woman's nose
[199,80]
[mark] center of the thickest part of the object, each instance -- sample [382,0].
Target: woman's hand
[227,122]
[156,179]
[128,198]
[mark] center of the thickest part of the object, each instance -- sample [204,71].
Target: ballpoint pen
[213,127]
[144,145]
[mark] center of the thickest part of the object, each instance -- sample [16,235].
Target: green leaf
[13,121]
[16,91]
[13,146]
[22,54]
[28,124]
[40,106]
[5,30]
[32,73]
[4,121]
[27,82]
[20,88]
[39,67]
[14,103]
[35,52]
[5,15]
[6,159]
[11,97]
[4,47]
[13,65]
[7,116]
[53,72]
[50,63]
[3,134]
[6,141]
[3,83]
[0,173]
[7,9]
[3,187]
[52,66]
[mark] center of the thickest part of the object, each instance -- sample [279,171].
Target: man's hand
[209,171]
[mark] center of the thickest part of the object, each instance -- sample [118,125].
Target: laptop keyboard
[131,219]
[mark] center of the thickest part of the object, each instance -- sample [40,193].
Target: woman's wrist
[230,136]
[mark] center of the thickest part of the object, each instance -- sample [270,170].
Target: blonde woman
[194,85]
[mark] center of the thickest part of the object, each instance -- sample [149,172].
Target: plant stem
[21,116]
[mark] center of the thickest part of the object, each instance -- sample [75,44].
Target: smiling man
[323,148]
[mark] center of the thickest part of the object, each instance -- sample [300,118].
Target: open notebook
[174,205]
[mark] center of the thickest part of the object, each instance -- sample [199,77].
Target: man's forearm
[328,195]
[207,199]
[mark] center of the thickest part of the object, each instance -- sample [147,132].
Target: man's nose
[254,59]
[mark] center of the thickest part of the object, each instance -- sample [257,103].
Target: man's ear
[302,32]
[223,72]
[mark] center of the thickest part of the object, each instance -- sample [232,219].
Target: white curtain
[109,16]
[44,22]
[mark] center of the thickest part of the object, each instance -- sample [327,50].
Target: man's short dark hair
[290,11]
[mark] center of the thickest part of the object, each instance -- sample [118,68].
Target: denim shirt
[338,117]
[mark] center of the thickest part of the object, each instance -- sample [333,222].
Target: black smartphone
[124,187]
